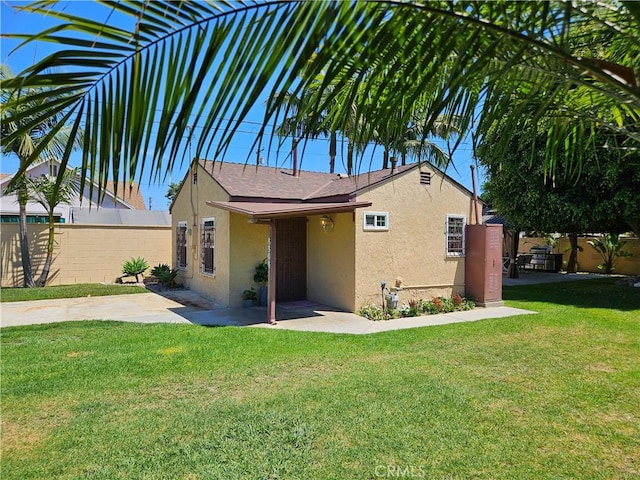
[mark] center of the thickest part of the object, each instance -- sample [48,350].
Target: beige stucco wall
[331,262]
[248,248]
[588,258]
[414,247]
[84,253]
[190,207]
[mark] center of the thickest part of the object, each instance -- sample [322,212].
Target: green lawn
[67,291]
[547,396]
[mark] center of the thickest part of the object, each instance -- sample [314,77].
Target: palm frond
[210,63]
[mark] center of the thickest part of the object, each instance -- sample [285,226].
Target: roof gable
[242,181]
[129,196]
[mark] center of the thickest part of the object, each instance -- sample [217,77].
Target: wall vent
[425,178]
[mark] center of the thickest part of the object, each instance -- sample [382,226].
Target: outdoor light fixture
[326,223]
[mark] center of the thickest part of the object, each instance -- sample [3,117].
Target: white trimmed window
[455,235]
[181,242]
[376,220]
[207,246]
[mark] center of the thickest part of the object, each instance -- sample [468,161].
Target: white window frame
[451,236]
[204,229]
[182,225]
[376,216]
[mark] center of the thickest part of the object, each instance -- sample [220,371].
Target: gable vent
[425,178]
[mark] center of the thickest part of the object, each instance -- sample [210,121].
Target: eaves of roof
[275,210]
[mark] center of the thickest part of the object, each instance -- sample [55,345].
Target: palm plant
[50,192]
[217,60]
[34,133]
[609,247]
[134,267]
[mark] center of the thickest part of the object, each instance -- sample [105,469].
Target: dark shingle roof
[250,181]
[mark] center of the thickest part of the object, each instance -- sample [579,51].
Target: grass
[67,291]
[546,396]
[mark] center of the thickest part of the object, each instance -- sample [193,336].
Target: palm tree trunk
[294,155]
[349,157]
[572,264]
[44,275]
[24,243]
[385,159]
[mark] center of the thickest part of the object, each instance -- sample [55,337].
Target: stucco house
[92,239]
[126,207]
[330,239]
[130,199]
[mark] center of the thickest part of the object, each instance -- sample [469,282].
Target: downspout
[475,193]
[271,307]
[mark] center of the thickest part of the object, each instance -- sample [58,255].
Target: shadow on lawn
[600,293]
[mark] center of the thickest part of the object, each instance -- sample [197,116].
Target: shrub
[447,305]
[250,294]
[374,312]
[134,267]
[405,310]
[261,277]
[165,274]
[428,307]
[457,300]
[466,304]
[437,301]
[414,308]
[609,247]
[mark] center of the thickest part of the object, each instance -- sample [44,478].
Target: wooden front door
[291,259]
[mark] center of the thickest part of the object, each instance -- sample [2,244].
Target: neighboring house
[91,241]
[333,239]
[84,209]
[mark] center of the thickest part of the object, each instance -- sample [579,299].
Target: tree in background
[33,132]
[603,199]
[172,191]
[50,191]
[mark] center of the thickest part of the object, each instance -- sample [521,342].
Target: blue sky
[314,157]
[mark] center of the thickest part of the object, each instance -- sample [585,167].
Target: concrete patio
[185,306]
[188,307]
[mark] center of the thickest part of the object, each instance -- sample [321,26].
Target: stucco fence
[84,253]
[588,257]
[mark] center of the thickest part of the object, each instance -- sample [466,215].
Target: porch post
[271,308]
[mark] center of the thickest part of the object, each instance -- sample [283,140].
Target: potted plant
[261,277]
[249,297]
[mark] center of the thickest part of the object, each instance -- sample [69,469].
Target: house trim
[267,210]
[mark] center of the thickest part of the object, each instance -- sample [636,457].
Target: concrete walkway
[343,322]
[529,277]
[188,307]
[185,306]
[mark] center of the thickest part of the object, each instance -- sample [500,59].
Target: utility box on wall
[483,264]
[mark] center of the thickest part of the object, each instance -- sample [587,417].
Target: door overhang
[272,210]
